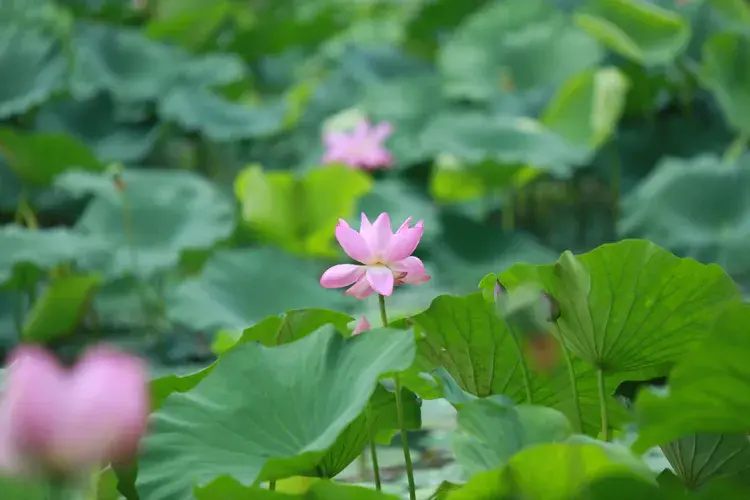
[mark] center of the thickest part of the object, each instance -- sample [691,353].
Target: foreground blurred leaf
[38,158]
[725,71]
[22,490]
[636,29]
[207,429]
[240,287]
[527,44]
[553,472]
[60,309]
[300,214]
[160,214]
[695,208]
[587,108]
[709,390]
[489,433]
[228,489]
[701,457]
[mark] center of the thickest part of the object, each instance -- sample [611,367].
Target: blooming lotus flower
[386,257]
[67,421]
[362,148]
[362,326]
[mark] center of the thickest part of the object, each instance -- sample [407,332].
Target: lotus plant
[57,422]
[363,148]
[386,261]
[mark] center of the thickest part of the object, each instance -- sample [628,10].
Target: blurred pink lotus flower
[362,148]
[67,421]
[362,326]
[386,257]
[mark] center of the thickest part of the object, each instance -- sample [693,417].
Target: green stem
[615,182]
[522,363]
[25,213]
[400,415]
[373,450]
[19,311]
[573,381]
[509,212]
[603,404]
[272,485]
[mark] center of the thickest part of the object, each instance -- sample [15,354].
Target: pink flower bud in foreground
[362,148]
[67,421]
[386,257]
[362,326]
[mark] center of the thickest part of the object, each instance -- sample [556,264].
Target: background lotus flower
[68,420]
[386,257]
[362,148]
[362,326]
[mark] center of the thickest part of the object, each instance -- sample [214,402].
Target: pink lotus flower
[362,148]
[386,257]
[362,326]
[67,421]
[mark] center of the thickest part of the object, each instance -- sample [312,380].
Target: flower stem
[373,450]
[400,415]
[603,404]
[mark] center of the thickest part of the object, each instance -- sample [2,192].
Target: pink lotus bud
[69,420]
[499,290]
[362,326]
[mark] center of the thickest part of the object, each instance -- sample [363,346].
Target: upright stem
[373,450]
[615,182]
[25,213]
[509,212]
[400,415]
[573,382]
[603,404]
[735,150]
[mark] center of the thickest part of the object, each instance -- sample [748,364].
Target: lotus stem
[373,450]
[400,414]
[573,382]
[522,363]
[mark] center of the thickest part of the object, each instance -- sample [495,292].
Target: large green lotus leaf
[636,29]
[586,109]
[490,433]
[36,64]
[522,44]
[623,487]
[300,213]
[474,137]
[26,251]
[554,471]
[160,214]
[696,208]
[293,325]
[433,18]
[709,390]
[633,306]
[60,308]
[190,23]
[726,72]
[228,489]
[295,401]
[37,158]
[466,337]
[699,458]
[239,288]
[199,109]
[99,124]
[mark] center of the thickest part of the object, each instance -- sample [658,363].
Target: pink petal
[334,139]
[107,406]
[381,132]
[361,131]
[379,237]
[380,279]
[414,269]
[361,289]
[34,395]
[341,275]
[362,326]
[353,243]
[404,242]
